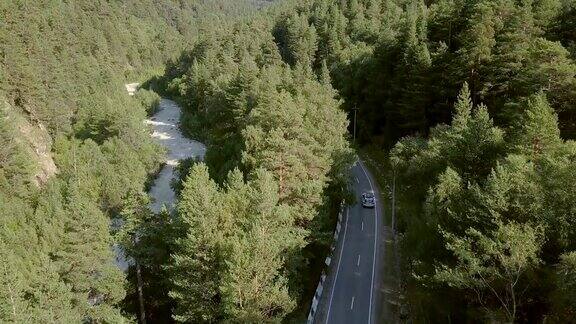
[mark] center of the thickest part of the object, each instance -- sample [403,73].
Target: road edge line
[375,245]
[338,266]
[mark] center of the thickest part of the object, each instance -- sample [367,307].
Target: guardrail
[320,287]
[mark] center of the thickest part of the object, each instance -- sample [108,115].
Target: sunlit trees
[493,265]
[196,264]
[62,72]
[86,260]
[276,141]
[501,205]
[487,176]
[228,265]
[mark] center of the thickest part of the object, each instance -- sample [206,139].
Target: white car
[368,199]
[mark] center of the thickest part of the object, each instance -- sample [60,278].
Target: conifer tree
[491,265]
[324,76]
[253,287]
[14,307]
[410,113]
[31,289]
[197,265]
[538,128]
[478,41]
[86,261]
[565,284]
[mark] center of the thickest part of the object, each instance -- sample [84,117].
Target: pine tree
[301,41]
[196,264]
[478,41]
[474,143]
[86,261]
[253,287]
[31,289]
[14,307]
[538,131]
[491,265]
[565,284]
[324,76]
[463,108]
[409,113]
[276,139]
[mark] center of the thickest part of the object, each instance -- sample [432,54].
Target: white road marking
[338,267]
[358,262]
[352,304]
[375,239]
[357,181]
[362,226]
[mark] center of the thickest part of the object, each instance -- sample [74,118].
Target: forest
[74,151]
[469,106]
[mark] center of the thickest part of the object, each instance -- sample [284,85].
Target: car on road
[368,199]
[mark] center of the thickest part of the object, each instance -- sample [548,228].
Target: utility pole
[394,202]
[140,293]
[354,138]
[139,283]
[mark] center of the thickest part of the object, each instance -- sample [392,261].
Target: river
[165,124]
[166,131]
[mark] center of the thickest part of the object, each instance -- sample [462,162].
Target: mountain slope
[64,111]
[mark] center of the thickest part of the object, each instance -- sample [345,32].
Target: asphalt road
[352,292]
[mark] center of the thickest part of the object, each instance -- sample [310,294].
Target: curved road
[352,293]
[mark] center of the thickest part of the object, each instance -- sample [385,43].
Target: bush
[149,99]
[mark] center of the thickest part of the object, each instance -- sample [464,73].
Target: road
[352,291]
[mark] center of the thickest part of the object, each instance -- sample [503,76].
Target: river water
[165,124]
[166,131]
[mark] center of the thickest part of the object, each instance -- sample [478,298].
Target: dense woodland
[475,103]
[256,218]
[64,110]
[476,100]
[472,101]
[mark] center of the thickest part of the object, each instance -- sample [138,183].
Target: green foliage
[228,265]
[63,67]
[59,57]
[31,289]
[493,202]
[401,62]
[149,99]
[149,239]
[565,281]
[85,260]
[538,130]
[195,265]
[265,115]
[488,201]
[298,40]
[502,162]
[483,166]
[562,27]
[493,265]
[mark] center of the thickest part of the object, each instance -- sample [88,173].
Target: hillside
[469,108]
[74,147]
[464,110]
